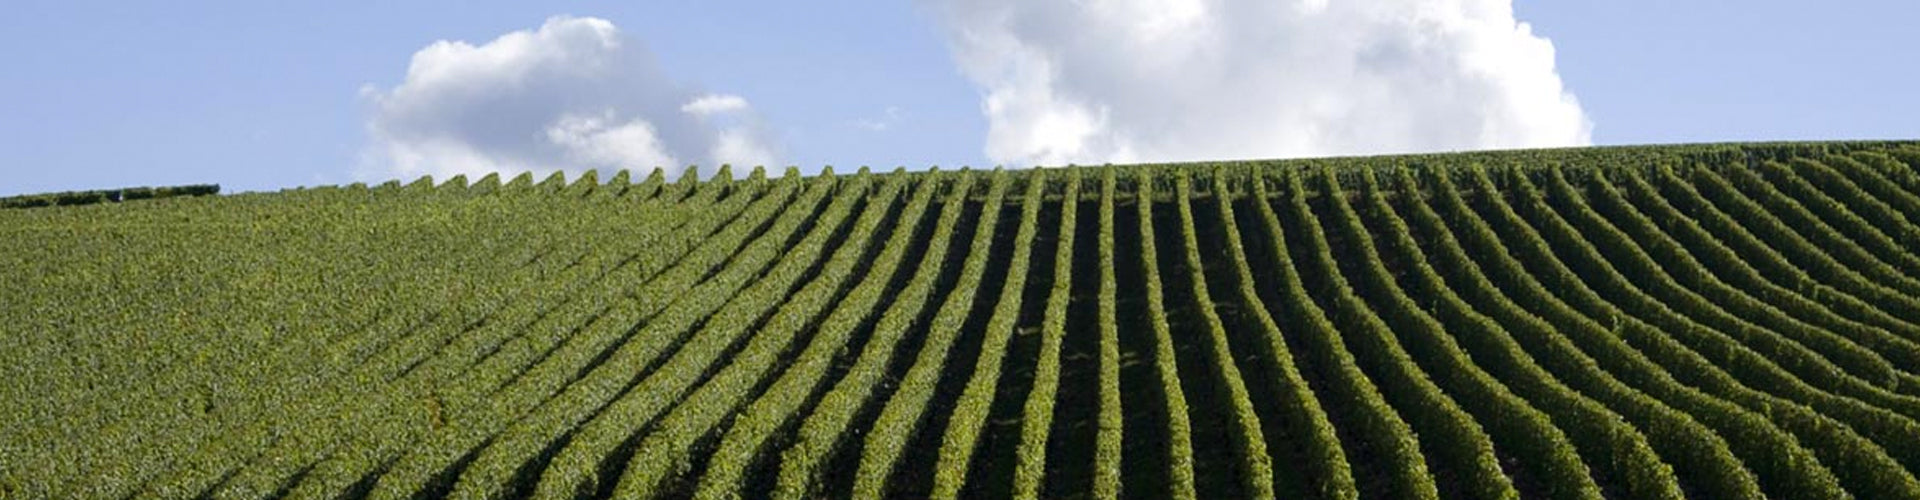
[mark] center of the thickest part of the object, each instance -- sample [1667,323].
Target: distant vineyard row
[70,198]
[1713,321]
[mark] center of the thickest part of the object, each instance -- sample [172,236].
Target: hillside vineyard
[1714,321]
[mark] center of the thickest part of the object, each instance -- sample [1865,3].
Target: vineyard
[1705,321]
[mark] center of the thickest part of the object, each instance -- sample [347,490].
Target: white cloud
[1154,80]
[574,94]
[714,104]
[742,147]
[592,140]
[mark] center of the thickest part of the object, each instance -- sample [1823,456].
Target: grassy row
[452,396]
[1869,172]
[1648,356]
[749,436]
[702,249]
[1625,347]
[1712,322]
[1107,444]
[1742,208]
[1826,213]
[1876,173]
[1545,454]
[1620,455]
[1829,326]
[1820,264]
[1380,439]
[1454,442]
[665,455]
[1325,471]
[1597,263]
[512,457]
[589,455]
[1729,245]
[361,346]
[72,198]
[1037,414]
[238,418]
[1797,219]
[650,187]
[1677,277]
[1888,226]
[1902,167]
[1860,458]
[558,348]
[152,389]
[284,443]
[969,415]
[905,410]
[1703,461]
[1896,348]
[822,433]
[1255,466]
[1179,432]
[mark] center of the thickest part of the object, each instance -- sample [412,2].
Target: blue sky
[260,97]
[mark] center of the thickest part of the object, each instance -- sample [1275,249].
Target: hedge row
[1863,460]
[1700,459]
[1374,427]
[1703,190]
[1325,471]
[969,414]
[1626,347]
[776,407]
[1797,218]
[821,433]
[588,452]
[1827,211]
[384,358]
[1829,330]
[1255,466]
[559,347]
[1620,455]
[1757,264]
[673,307]
[1673,275]
[509,344]
[823,307]
[1037,413]
[72,198]
[905,410]
[1453,441]
[1179,431]
[1107,444]
[1544,452]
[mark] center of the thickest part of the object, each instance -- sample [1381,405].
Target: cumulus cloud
[1160,80]
[574,94]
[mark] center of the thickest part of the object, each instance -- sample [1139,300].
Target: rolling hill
[1708,321]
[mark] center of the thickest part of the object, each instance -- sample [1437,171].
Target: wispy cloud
[714,104]
[881,123]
